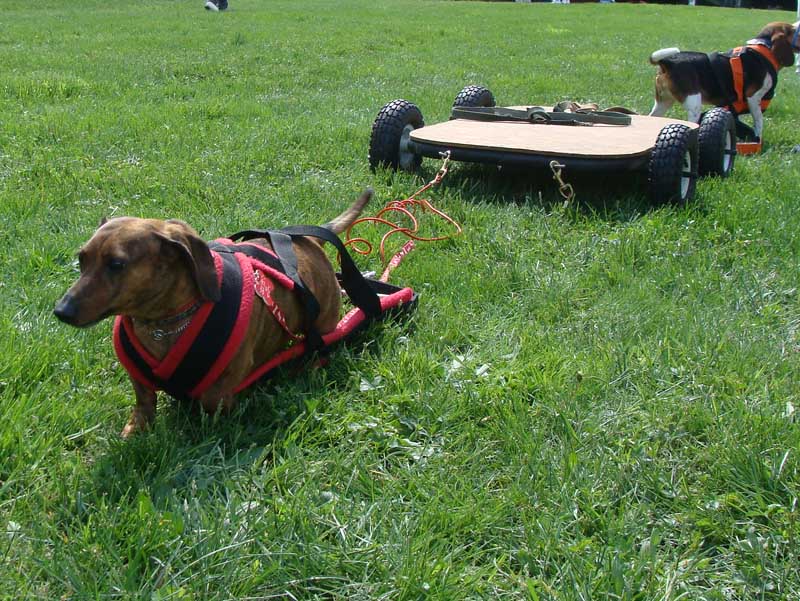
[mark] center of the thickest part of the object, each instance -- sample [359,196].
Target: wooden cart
[672,152]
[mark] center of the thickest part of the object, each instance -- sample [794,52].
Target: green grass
[594,402]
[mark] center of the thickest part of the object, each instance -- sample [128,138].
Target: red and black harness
[246,270]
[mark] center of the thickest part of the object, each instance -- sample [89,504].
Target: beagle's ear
[782,49]
[196,254]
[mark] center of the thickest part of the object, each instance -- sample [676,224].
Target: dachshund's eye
[116,265]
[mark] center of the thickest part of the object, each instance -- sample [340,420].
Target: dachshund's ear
[197,255]
[782,49]
[103,221]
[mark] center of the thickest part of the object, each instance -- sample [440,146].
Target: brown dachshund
[151,270]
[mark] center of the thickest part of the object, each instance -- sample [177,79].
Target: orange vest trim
[740,104]
[766,53]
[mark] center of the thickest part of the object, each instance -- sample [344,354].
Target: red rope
[406,210]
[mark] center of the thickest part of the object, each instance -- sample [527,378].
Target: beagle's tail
[660,55]
[345,220]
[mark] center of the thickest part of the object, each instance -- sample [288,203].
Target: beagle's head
[783,40]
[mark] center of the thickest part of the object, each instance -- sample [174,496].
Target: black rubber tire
[473,95]
[716,143]
[390,135]
[672,172]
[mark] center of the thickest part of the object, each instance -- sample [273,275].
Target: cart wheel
[673,165]
[716,140]
[389,142]
[474,96]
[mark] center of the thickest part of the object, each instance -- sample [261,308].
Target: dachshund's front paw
[140,420]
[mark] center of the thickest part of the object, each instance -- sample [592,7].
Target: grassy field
[591,402]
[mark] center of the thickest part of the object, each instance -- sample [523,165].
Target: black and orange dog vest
[729,68]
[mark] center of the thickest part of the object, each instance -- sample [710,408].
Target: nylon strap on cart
[538,115]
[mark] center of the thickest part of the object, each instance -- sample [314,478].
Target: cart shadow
[612,197]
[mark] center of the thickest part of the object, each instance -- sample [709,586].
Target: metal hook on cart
[443,169]
[565,189]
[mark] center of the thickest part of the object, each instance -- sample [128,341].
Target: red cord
[407,209]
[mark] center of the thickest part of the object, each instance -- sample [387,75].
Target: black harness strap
[284,261]
[357,288]
[208,345]
[282,245]
[140,363]
[251,250]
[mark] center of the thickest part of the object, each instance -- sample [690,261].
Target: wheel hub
[686,174]
[407,156]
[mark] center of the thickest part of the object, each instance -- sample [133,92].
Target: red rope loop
[404,210]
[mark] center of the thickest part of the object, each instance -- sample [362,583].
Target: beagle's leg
[661,106]
[663,95]
[754,105]
[694,107]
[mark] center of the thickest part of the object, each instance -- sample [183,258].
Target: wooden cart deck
[595,141]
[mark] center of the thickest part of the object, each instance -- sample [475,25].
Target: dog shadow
[187,449]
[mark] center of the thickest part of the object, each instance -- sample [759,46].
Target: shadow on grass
[614,196]
[187,449]
[190,451]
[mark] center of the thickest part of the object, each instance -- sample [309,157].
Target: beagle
[742,80]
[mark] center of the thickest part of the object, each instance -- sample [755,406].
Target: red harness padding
[351,322]
[210,342]
[188,370]
[739,105]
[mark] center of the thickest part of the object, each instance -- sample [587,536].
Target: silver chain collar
[160,333]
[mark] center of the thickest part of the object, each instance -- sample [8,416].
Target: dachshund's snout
[67,309]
